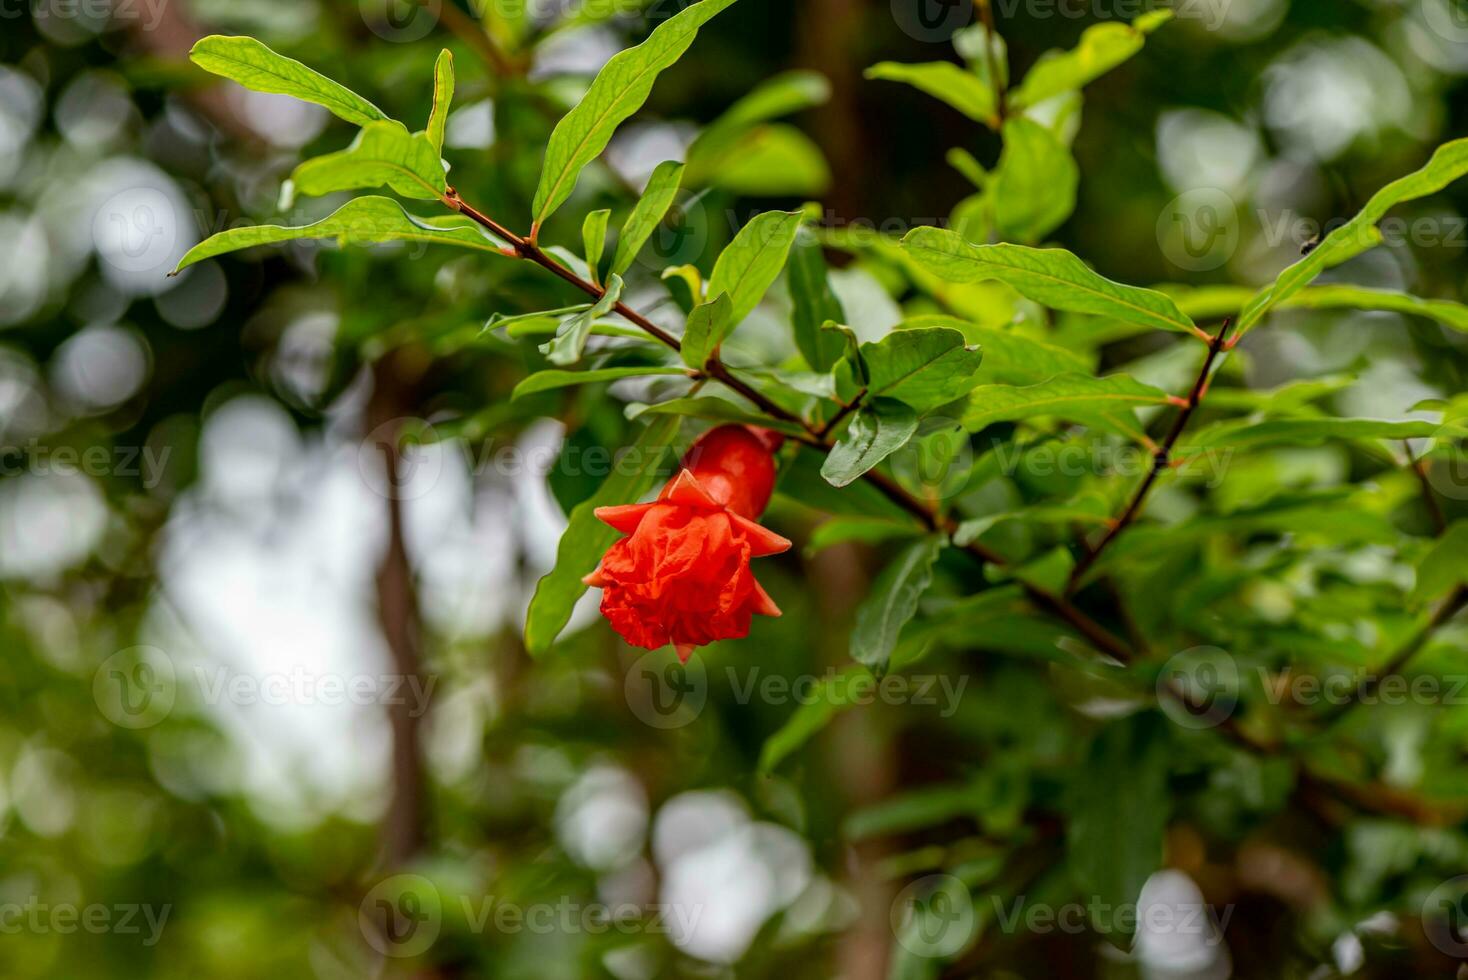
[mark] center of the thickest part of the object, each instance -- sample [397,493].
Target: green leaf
[1102,48]
[587,538]
[1009,357]
[255,66]
[814,304]
[1305,432]
[735,151]
[383,153]
[879,428]
[1052,277]
[647,213]
[1119,807]
[548,380]
[1360,233]
[1034,187]
[715,410]
[892,603]
[594,240]
[1216,301]
[946,82]
[570,340]
[707,327]
[773,160]
[830,696]
[751,263]
[867,530]
[923,367]
[1445,567]
[618,91]
[364,221]
[443,97]
[1108,401]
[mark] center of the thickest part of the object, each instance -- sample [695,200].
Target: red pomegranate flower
[681,575]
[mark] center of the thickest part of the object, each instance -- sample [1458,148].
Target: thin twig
[1161,458]
[991,43]
[1434,508]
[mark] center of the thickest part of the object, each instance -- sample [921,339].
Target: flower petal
[762,541]
[624,517]
[685,489]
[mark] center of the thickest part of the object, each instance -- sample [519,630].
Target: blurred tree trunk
[830,31]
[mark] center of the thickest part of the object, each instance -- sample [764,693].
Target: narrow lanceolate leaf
[647,214]
[715,410]
[879,429]
[1445,567]
[571,340]
[1360,233]
[1218,301]
[255,66]
[1108,401]
[618,91]
[892,603]
[443,97]
[814,304]
[1102,48]
[364,221]
[753,260]
[943,80]
[707,326]
[1305,432]
[830,696]
[549,380]
[594,240]
[1052,277]
[384,153]
[924,367]
[586,538]
[1034,187]
[1112,850]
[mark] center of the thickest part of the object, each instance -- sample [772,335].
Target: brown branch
[991,43]
[1429,499]
[1161,459]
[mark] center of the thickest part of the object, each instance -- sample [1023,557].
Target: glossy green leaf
[945,81]
[867,530]
[1108,401]
[772,160]
[384,153]
[647,213]
[877,430]
[924,367]
[586,538]
[1360,234]
[1052,277]
[255,66]
[594,240]
[618,91]
[443,97]
[1102,47]
[708,325]
[549,380]
[715,410]
[814,304]
[1213,302]
[570,340]
[1445,566]
[1009,356]
[892,603]
[752,262]
[830,696]
[364,221]
[1304,432]
[1034,186]
[1119,807]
